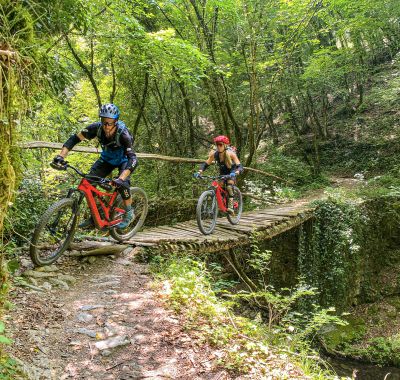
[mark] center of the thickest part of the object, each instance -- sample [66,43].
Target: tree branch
[85,69]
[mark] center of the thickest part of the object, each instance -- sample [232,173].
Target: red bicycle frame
[90,192]
[221,195]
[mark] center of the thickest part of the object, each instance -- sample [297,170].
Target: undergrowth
[244,345]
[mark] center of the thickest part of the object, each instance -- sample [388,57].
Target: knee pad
[229,189]
[125,192]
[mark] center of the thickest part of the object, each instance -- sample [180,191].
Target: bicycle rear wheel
[206,212]
[140,207]
[237,206]
[54,232]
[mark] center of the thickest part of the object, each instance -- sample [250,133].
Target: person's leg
[229,189]
[101,168]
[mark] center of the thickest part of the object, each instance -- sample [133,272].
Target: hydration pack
[121,128]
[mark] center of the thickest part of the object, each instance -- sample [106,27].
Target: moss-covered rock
[337,337]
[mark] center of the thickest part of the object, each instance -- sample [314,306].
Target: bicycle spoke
[53,233]
[206,212]
[139,206]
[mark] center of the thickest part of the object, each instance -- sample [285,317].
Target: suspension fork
[52,228]
[78,199]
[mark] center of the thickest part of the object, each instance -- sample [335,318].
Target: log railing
[149,156]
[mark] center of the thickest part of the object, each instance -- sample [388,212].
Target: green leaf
[5,340]
[13,265]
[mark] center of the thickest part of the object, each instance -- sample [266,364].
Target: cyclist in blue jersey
[116,143]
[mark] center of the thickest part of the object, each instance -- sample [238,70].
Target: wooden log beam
[149,156]
[104,250]
[8,53]
[86,245]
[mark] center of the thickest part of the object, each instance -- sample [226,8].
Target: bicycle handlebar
[214,177]
[93,178]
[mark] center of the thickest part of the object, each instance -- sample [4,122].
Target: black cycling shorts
[103,169]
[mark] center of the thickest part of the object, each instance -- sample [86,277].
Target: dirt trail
[65,333]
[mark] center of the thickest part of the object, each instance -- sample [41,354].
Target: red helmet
[221,138]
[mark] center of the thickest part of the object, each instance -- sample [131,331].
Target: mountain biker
[116,143]
[228,162]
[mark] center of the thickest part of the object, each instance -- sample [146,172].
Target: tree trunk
[141,103]
[88,72]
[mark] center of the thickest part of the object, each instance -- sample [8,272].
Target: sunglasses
[220,144]
[107,124]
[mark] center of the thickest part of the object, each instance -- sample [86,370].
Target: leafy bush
[30,203]
[381,350]
[288,168]
[245,345]
[10,370]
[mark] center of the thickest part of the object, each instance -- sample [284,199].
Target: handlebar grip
[58,167]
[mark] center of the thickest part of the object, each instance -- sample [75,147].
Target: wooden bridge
[267,223]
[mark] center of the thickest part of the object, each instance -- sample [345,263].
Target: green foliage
[3,338]
[245,344]
[286,309]
[329,254]
[30,203]
[338,337]
[384,351]
[289,168]
[170,56]
[9,369]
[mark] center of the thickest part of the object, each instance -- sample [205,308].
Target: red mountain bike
[56,228]
[216,197]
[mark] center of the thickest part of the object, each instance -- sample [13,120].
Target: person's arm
[126,142]
[88,133]
[207,163]
[238,168]
[70,143]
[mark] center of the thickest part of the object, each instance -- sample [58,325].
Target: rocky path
[101,320]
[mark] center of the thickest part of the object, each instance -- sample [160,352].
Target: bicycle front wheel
[206,212]
[54,232]
[237,206]
[140,207]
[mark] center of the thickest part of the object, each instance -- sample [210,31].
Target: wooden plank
[286,213]
[140,244]
[158,231]
[237,227]
[266,225]
[152,235]
[166,239]
[172,231]
[186,231]
[257,221]
[263,217]
[231,235]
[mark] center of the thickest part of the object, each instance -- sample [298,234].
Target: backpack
[234,150]
[231,148]
[121,127]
